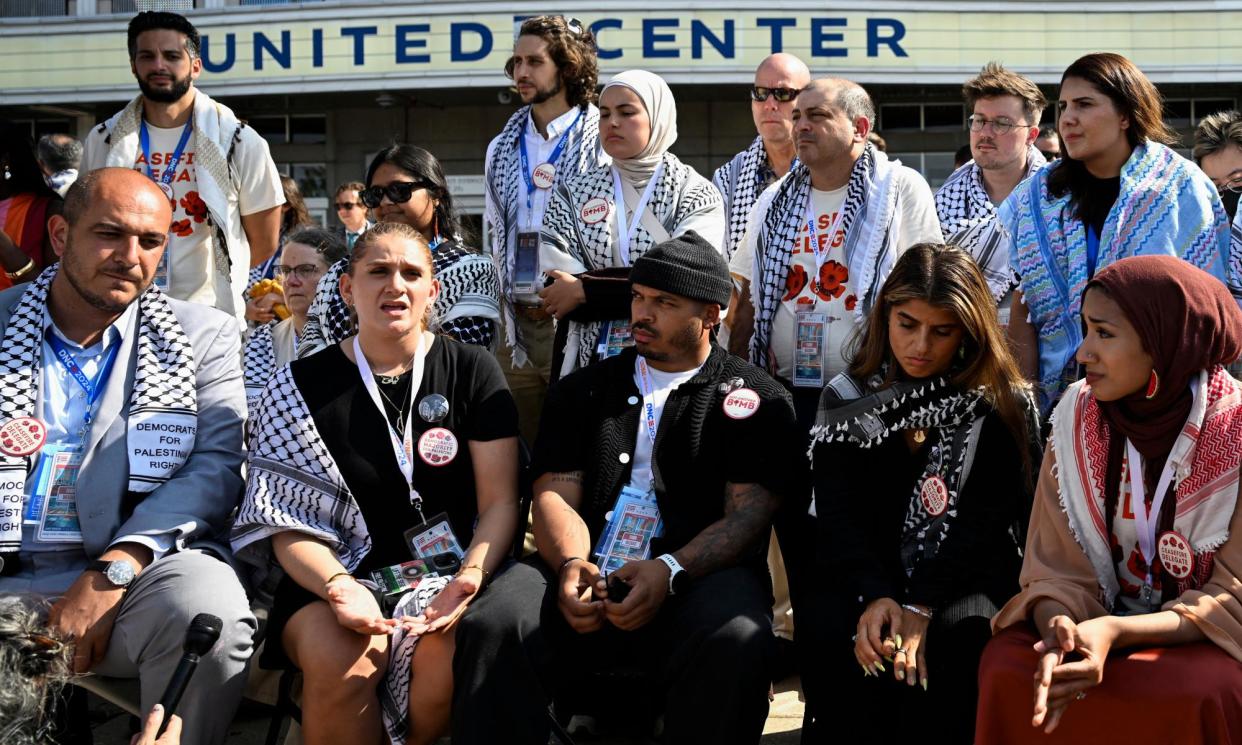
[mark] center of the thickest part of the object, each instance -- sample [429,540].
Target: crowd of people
[686,433]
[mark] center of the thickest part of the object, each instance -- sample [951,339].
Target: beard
[74,273]
[685,340]
[180,86]
[543,94]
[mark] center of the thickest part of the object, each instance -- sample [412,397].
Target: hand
[85,615]
[356,609]
[1058,683]
[151,725]
[648,581]
[579,582]
[448,606]
[910,634]
[563,295]
[869,642]
[260,309]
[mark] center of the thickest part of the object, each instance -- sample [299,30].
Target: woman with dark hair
[405,184]
[922,456]
[1118,191]
[26,203]
[293,215]
[1135,538]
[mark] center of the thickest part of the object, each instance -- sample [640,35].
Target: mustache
[640,326]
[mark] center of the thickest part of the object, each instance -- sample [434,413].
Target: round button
[624,457]
[632,400]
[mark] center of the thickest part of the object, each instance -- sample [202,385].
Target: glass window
[271,128]
[312,178]
[1207,106]
[894,117]
[944,116]
[308,130]
[1177,113]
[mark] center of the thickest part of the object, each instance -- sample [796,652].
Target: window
[1207,106]
[895,117]
[1177,113]
[914,117]
[312,181]
[299,129]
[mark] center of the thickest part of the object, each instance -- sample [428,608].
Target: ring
[1080,695]
[900,650]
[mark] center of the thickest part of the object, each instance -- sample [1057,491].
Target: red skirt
[1187,694]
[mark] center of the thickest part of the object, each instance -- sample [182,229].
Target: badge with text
[159,443]
[163,270]
[633,522]
[1176,556]
[595,210]
[526,263]
[436,536]
[934,495]
[437,447]
[168,192]
[615,338]
[57,495]
[810,331]
[402,577]
[741,404]
[22,436]
[544,175]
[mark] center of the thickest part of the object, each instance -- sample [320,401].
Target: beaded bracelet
[917,611]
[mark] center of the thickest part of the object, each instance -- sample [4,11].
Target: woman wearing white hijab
[608,217]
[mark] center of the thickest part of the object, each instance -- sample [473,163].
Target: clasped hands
[886,631]
[583,595]
[1071,662]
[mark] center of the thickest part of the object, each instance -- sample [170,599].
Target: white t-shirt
[663,383]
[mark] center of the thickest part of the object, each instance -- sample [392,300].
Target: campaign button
[22,436]
[544,175]
[1176,555]
[594,210]
[741,404]
[624,457]
[934,495]
[168,192]
[632,400]
[437,447]
[433,407]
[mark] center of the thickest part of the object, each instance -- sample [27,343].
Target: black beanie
[688,266]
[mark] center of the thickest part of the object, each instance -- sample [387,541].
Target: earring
[435,223]
[961,352]
[1153,385]
[7,173]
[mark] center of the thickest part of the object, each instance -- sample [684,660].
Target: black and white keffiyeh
[740,182]
[164,399]
[258,363]
[870,220]
[505,187]
[968,220]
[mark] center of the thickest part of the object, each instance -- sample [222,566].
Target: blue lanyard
[94,388]
[144,137]
[1093,250]
[556,153]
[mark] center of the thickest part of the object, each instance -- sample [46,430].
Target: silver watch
[120,573]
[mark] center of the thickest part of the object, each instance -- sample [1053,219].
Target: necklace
[405,397]
[920,435]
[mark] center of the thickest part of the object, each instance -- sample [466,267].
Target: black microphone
[199,639]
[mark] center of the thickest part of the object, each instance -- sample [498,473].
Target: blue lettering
[820,37]
[360,33]
[405,43]
[317,47]
[599,25]
[261,43]
[230,54]
[700,32]
[485,42]
[651,38]
[777,25]
[874,39]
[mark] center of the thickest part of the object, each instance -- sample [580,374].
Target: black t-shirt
[355,433]
[1104,192]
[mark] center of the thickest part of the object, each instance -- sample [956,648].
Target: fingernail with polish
[924,684]
[879,666]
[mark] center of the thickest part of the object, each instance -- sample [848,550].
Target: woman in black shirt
[358,452]
[922,457]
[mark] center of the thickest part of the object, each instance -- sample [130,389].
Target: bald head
[785,67]
[850,97]
[785,74]
[110,184]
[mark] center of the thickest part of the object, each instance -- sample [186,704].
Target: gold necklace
[920,436]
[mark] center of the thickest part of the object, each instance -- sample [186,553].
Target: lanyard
[646,386]
[556,153]
[93,388]
[402,444]
[821,256]
[144,138]
[623,229]
[1093,250]
[1144,522]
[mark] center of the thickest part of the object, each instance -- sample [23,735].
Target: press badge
[810,331]
[54,505]
[433,537]
[163,270]
[614,339]
[526,264]
[634,521]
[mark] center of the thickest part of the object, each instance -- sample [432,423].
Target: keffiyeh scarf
[740,182]
[1206,460]
[163,402]
[505,187]
[968,220]
[869,220]
[1166,206]
[258,363]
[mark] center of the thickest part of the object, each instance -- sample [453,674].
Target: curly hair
[573,51]
[34,664]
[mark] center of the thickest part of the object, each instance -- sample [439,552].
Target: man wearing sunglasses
[555,134]
[351,211]
[1004,123]
[778,80]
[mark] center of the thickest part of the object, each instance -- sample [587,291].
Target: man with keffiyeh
[121,414]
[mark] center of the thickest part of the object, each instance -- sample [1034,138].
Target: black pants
[707,655]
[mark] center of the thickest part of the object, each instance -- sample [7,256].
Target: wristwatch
[678,580]
[120,572]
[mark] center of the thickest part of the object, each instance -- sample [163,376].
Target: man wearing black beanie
[658,472]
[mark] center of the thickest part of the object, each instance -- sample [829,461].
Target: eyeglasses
[398,192]
[1234,184]
[1000,125]
[304,272]
[347,205]
[784,95]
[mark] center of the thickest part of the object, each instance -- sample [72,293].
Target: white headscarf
[661,110]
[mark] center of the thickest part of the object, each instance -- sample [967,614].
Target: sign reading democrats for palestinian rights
[304,48]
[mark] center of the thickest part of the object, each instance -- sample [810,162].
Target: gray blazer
[195,504]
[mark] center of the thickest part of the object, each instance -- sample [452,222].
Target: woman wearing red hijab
[1135,542]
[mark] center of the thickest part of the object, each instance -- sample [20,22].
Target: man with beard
[1004,124]
[674,433]
[121,414]
[554,135]
[216,172]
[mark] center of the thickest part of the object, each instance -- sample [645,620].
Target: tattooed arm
[560,531]
[747,520]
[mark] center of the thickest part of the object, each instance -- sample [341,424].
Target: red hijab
[1187,321]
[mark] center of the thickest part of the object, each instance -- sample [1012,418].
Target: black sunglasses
[784,95]
[398,192]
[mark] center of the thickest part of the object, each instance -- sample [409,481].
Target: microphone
[199,639]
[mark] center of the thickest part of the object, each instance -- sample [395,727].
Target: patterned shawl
[1166,206]
[968,220]
[780,215]
[1205,459]
[740,182]
[505,187]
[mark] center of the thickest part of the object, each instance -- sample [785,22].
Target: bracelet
[14,275]
[328,581]
[917,611]
[565,563]
[486,573]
